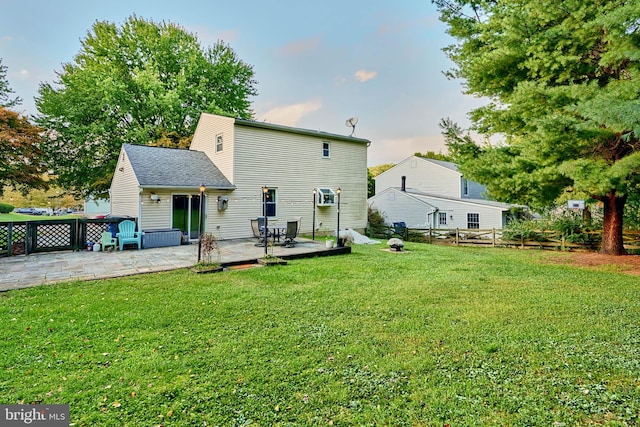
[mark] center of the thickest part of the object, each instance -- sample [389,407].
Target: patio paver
[24,271]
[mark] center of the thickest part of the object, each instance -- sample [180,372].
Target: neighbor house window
[326,149]
[465,187]
[218,143]
[473,220]
[442,218]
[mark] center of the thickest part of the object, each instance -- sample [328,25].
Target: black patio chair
[257,227]
[291,234]
[259,231]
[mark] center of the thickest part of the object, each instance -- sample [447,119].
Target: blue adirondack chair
[127,234]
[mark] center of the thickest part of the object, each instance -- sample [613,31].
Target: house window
[270,202]
[218,143]
[326,196]
[442,218]
[326,149]
[465,187]
[473,220]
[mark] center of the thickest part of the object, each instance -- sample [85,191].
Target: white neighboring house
[421,210]
[430,176]
[234,159]
[428,193]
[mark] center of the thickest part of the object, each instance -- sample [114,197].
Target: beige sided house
[235,159]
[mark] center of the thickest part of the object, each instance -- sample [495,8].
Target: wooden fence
[544,239]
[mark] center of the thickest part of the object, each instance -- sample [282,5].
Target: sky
[317,64]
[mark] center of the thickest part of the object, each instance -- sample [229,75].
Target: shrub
[209,249]
[527,229]
[376,223]
[571,226]
[6,208]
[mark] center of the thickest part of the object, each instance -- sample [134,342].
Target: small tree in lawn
[209,249]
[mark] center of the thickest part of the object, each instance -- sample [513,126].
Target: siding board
[124,189]
[286,159]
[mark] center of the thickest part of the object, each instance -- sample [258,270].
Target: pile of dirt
[629,264]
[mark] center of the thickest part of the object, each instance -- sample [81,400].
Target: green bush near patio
[6,208]
[431,336]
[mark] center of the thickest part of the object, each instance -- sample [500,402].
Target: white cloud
[24,74]
[289,115]
[364,75]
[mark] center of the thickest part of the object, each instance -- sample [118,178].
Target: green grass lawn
[435,336]
[16,217]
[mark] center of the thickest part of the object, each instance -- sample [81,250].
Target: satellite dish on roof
[351,123]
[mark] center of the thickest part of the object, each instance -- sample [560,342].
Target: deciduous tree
[138,83]
[21,167]
[563,82]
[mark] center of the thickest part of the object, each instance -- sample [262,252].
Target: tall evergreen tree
[5,90]
[563,81]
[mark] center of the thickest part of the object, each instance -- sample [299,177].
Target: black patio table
[276,231]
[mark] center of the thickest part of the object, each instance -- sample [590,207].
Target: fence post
[10,239]
[429,234]
[28,235]
[457,235]
[82,233]
[493,238]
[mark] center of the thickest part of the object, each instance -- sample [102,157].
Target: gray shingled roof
[171,167]
[442,163]
[491,203]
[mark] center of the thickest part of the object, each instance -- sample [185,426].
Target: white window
[442,218]
[326,196]
[473,220]
[218,143]
[269,202]
[326,149]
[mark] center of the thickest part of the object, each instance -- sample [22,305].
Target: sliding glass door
[186,214]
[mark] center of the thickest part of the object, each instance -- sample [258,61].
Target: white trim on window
[326,150]
[442,218]
[326,196]
[473,220]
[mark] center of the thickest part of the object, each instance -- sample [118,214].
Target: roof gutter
[188,187]
[308,132]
